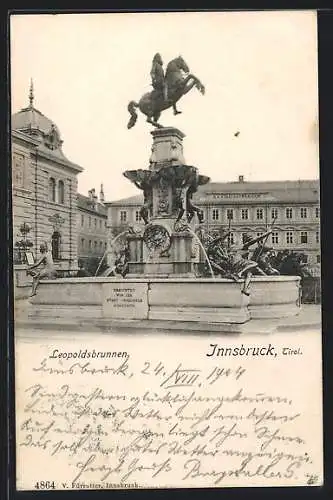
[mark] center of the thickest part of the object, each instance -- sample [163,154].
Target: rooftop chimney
[101,194]
[93,198]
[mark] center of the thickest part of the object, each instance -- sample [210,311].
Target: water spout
[204,251]
[106,251]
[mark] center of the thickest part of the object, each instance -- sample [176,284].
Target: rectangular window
[244,213]
[137,216]
[95,222]
[52,189]
[304,236]
[275,238]
[95,245]
[18,170]
[305,259]
[215,214]
[317,236]
[230,213]
[289,213]
[89,245]
[123,216]
[100,224]
[89,221]
[231,239]
[82,242]
[243,237]
[317,212]
[289,237]
[318,259]
[260,213]
[82,220]
[259,234]
[304,212]
[274,213]
[61,192]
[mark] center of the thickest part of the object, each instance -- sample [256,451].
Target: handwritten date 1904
[189,377]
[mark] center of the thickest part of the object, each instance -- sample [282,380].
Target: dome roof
[30,119]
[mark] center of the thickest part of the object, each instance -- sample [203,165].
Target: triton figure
[263,256]
[47,270]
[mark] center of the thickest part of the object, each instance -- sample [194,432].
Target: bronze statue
[230,262]
[157,76]
[168,89]
[264,256]
[142,180]
[47,269]
[190,207]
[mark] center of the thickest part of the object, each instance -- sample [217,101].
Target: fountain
[165,249]
[164,287]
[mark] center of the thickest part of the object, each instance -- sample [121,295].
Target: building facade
[44,189]
[291,209]
[92,228]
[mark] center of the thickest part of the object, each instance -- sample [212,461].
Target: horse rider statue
[168,88]
[159,81]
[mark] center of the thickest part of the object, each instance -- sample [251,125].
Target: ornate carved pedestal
[166,245]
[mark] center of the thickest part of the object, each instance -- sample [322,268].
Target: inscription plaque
[125,300]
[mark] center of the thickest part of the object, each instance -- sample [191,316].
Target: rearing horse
[153,103]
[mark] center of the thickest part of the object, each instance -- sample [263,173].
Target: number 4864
[45,485]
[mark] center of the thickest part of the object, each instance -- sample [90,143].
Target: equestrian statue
[168,88]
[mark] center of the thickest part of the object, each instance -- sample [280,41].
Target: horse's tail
[131,108]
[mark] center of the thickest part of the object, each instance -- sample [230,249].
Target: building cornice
[72,167]
[20,136]
[41,151]
[91,212]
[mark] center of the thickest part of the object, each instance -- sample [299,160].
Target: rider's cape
[157,76]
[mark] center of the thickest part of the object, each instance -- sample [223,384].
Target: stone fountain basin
[204,300]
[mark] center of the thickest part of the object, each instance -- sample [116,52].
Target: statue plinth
[167,148]
[167,245]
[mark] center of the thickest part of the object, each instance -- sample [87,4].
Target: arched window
[52,189]
[56,242]
[61,192]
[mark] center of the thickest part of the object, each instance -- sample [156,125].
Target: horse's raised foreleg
[191,81]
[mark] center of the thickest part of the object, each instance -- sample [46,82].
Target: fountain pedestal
[167,246]
[179,260]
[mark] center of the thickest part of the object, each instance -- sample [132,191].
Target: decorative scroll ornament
[56,221]
[163,206]
[52,139]
[157,239]
[181,226]
[136,229]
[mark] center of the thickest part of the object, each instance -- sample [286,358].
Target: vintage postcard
[166,242]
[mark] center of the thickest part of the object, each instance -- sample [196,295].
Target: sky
[259,70]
